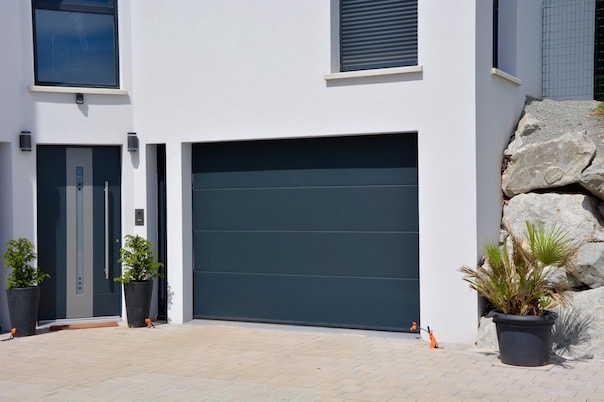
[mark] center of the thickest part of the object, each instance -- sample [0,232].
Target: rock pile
[554,174]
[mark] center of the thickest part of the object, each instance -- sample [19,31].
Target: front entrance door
[79,231]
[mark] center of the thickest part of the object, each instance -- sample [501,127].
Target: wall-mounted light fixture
[80,99]
[132,142]
[25,141]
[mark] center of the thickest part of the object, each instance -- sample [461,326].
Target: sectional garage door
[308,231]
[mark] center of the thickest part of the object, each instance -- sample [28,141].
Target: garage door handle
[106,229]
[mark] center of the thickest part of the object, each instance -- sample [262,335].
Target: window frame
[80,6]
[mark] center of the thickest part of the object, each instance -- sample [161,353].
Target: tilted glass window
[377,34]
[75,43]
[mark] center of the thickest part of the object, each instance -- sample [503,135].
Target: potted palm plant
[518,283]
[139,268]
[23,290]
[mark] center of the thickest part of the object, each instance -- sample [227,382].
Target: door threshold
[80,323]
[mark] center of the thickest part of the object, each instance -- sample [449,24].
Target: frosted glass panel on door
[80,229]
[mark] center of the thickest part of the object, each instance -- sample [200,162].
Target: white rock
[592,179]
[487,334]
[548,164]
[589,265]
[576,214]
[527,125]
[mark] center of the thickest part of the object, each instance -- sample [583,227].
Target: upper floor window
[75,43]
[377,34]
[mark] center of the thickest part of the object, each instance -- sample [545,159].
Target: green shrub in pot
[518,283]
[23,290]
[139,268]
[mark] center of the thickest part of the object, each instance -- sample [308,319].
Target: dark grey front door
[314,231]
[79,233]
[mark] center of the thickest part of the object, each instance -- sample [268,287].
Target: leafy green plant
[18,256]
[518,281]
[139,262]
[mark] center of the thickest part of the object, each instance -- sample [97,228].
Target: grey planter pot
[23,309]
[138,302]
[525,340]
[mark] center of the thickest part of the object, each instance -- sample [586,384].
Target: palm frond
[517,280]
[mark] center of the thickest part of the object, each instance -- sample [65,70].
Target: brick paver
[217,361]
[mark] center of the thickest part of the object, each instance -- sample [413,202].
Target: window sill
[374,73]
[508,77]
[76,90]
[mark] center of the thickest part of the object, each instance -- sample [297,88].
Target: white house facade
[317,162]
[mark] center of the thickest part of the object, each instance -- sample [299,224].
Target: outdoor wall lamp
[132,142]
[80,99]
[25,140]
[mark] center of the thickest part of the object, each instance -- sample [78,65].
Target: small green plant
[18,256]
[139,262]
[517,281]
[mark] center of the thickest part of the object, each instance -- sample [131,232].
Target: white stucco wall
[261,75]
[227,71]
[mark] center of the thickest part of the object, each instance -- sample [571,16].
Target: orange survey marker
[433,343]
[12,334]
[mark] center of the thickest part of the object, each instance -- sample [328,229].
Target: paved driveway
[218,361]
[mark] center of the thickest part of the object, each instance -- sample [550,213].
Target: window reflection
[75,48]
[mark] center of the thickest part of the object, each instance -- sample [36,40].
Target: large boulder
[577,214]
[592,179]
[526,126]
[548,164]
[589,265]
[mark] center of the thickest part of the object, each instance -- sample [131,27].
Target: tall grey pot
[23,309]
[138,302]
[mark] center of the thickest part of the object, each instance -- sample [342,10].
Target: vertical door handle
[106,229]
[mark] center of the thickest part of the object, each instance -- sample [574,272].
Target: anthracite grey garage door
[308,231]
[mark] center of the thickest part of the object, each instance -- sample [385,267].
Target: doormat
[83,325]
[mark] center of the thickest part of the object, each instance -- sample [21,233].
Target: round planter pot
[138,302]
[525,340]
[23,309]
